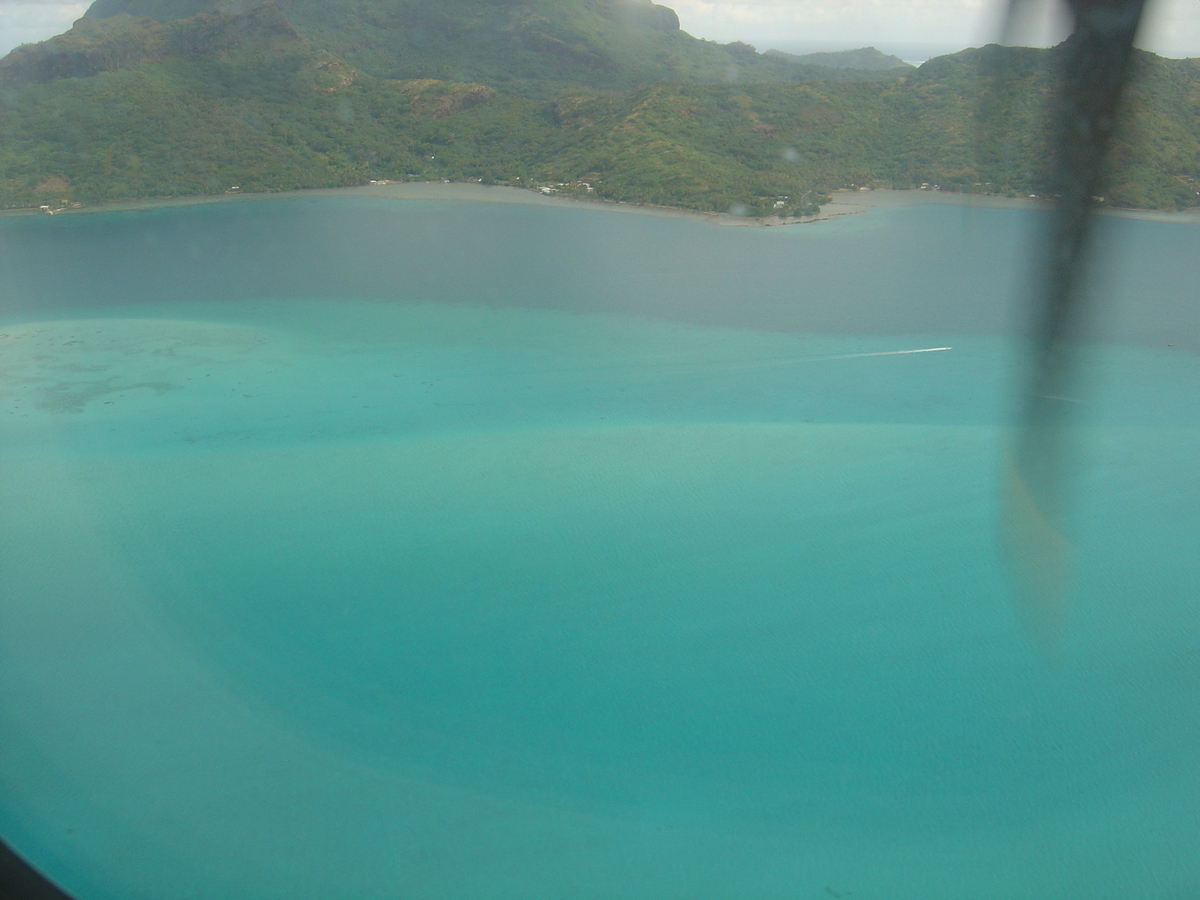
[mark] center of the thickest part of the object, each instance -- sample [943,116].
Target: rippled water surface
[372,548]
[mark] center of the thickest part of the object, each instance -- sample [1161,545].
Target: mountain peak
[95,45]
[536,48]
[864,58]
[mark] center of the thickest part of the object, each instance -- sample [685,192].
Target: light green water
[570,594]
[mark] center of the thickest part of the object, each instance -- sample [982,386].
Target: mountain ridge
[96,45]
[536,48]
[866,58]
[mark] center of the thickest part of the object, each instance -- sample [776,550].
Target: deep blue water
[373,548]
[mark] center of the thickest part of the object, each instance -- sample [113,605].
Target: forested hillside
[193,97]
[535,48]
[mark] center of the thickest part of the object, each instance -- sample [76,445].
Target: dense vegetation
[533,48]
[125,107]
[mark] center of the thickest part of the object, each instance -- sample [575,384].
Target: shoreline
[888,198]
[454,191]
[843,203]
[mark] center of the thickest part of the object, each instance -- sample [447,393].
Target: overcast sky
[1172,29]
[940,25]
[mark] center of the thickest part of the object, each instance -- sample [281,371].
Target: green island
[607,99]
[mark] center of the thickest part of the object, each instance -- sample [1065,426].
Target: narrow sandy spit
[843,203]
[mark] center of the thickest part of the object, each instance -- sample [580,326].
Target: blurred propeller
[1095,70]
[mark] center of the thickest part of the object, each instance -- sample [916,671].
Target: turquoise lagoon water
[360,548]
